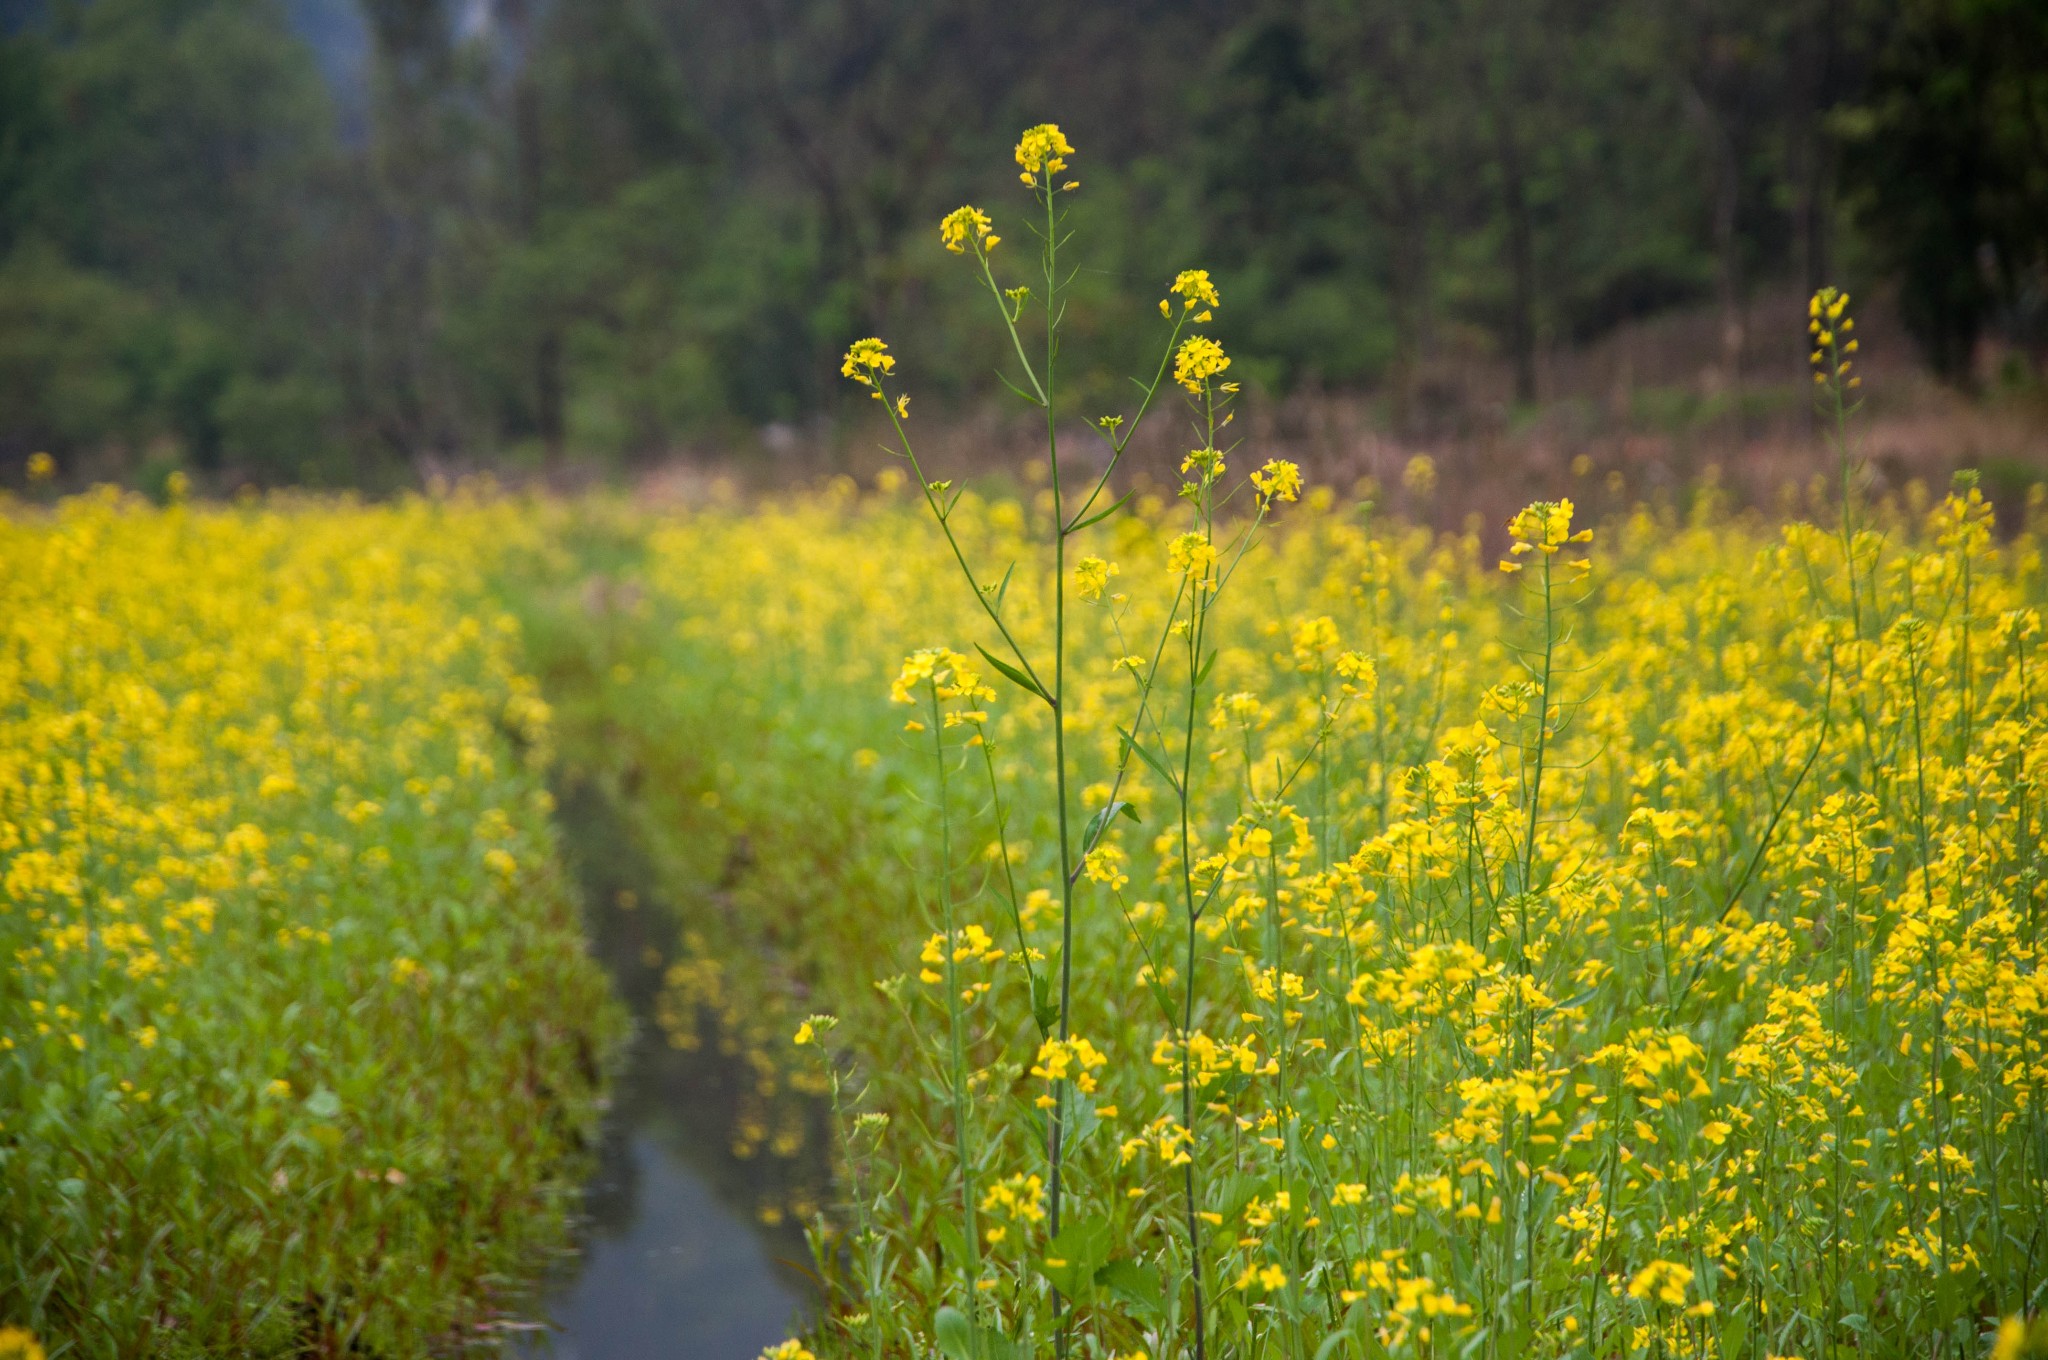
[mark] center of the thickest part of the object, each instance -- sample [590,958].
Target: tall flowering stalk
[1199,562]
[1835,382]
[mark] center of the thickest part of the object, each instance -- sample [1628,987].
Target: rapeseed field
[1229,923]
[1649,969]
[1224,920]
[299,1032]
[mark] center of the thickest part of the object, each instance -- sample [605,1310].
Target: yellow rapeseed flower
[1195,289]
[1198,360]
[1091,577]
[1278,480]
[966,224]
[19,1343]
[1664,1281]
[1042,149]
[865,361]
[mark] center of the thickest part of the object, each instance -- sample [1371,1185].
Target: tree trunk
[1521,258]
[1727,240]
[548,382]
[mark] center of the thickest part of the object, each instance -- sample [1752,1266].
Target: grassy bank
[299,1036]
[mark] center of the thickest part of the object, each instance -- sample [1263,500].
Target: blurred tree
[546,229]
[157,171]
[1948,159]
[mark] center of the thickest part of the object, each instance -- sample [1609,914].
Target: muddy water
[687,1245]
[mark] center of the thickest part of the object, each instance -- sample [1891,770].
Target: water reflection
[689,1246]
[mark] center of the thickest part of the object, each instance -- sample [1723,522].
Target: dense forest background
[342,241]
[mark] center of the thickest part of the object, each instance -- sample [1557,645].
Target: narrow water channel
[687,1245]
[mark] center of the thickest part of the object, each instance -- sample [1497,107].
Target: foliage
[298,1029]
[1949,162]
[417,232]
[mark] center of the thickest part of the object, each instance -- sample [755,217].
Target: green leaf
[1332,1343]
[1146,756]
[1004,589]
[1168,1006]
[1076,1252]
[1100,820]
[955,1335]
[1203,674]
[1139,1286]
[1044,1010]
[996,1346]
[323,1104]
[1102,515]
[1018,390]
[1012,674]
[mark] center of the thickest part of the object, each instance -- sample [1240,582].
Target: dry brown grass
[1647,413]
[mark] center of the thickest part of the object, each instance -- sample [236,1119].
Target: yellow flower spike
[1198,360]
[903,407]
[1042,149]
[1164,310]
[1195,289]
[865,359]
[1278,480]
[962,225]
[1091,577]
[1191,555]
[1663,1281]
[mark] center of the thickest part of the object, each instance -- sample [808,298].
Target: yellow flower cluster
[19,1343]
[1073,1059]
[1091,577]
[1042,150]
[1278,480]
[1194,289]
[1197,361]
[964,226]
[1829,323]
